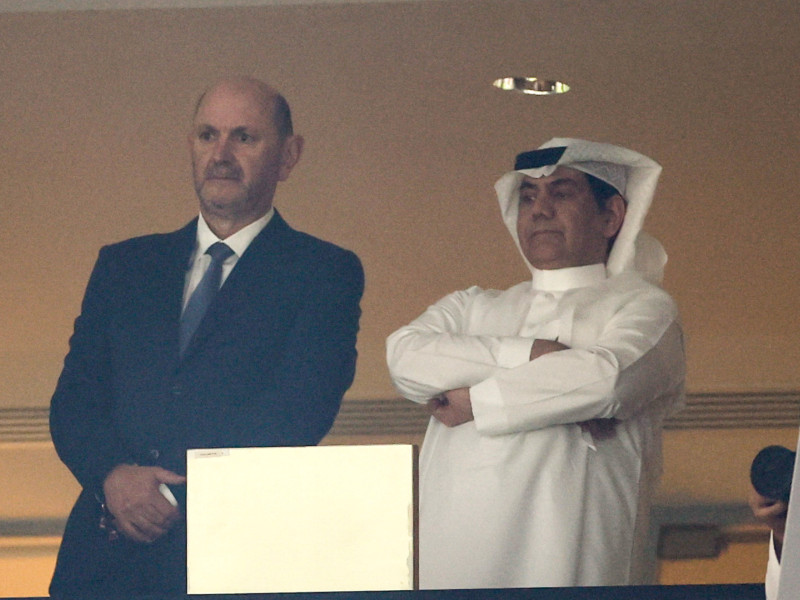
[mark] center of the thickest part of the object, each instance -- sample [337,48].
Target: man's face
[237,156]
[559,223]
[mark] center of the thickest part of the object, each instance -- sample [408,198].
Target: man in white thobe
[548,398]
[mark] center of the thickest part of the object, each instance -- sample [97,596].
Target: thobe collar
[561,280]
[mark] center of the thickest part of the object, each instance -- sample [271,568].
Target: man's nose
[222,150]
[542,206]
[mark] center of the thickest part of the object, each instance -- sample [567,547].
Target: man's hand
[452,408]
[541,347]
[772,513]
[140,511]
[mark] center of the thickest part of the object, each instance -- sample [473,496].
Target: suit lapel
[163,283]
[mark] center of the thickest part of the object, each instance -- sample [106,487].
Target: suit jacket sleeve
[81,423]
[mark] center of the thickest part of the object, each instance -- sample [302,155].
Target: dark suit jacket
[268,366]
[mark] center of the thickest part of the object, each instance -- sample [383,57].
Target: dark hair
[282,117]
[601,190]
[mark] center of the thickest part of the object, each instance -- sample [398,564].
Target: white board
[324,518]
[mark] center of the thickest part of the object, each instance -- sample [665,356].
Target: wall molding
[741,410]
[24,424]
[43,528]
[84,5]
[748,410]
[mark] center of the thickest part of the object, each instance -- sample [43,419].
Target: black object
[771,472]
[730,591]
[539,158]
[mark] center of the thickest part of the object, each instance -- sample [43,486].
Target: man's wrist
[106,520]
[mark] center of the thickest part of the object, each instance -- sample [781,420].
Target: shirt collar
[560,280]
[238,242]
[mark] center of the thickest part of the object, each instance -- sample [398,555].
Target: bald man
[234,331]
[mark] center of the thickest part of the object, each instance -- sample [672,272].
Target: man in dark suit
[265,364]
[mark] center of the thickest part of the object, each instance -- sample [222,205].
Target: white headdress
[632,174]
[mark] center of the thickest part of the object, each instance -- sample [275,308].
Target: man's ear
[291,152]
[614,214]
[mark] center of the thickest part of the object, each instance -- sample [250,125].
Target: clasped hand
[141,513]
[452,408]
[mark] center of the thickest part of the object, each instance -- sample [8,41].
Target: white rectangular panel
[326,518]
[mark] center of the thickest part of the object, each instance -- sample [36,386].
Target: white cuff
[486,407]
[514,352]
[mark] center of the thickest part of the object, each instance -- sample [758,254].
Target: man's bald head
[271,100]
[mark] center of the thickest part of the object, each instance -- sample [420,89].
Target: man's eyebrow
[560,182]
[564,181]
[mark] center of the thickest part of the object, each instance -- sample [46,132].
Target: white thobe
[773,577]
[522,496]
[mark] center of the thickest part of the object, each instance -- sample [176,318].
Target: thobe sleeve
[432,354]
[637,359]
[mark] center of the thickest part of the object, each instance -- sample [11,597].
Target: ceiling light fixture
[531,85]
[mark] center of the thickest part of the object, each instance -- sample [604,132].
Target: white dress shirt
[238,242]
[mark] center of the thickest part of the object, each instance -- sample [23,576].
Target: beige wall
[405,137]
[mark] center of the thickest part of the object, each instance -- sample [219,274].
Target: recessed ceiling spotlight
[531,85]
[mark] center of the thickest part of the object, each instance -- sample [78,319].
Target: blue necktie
[204,294]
